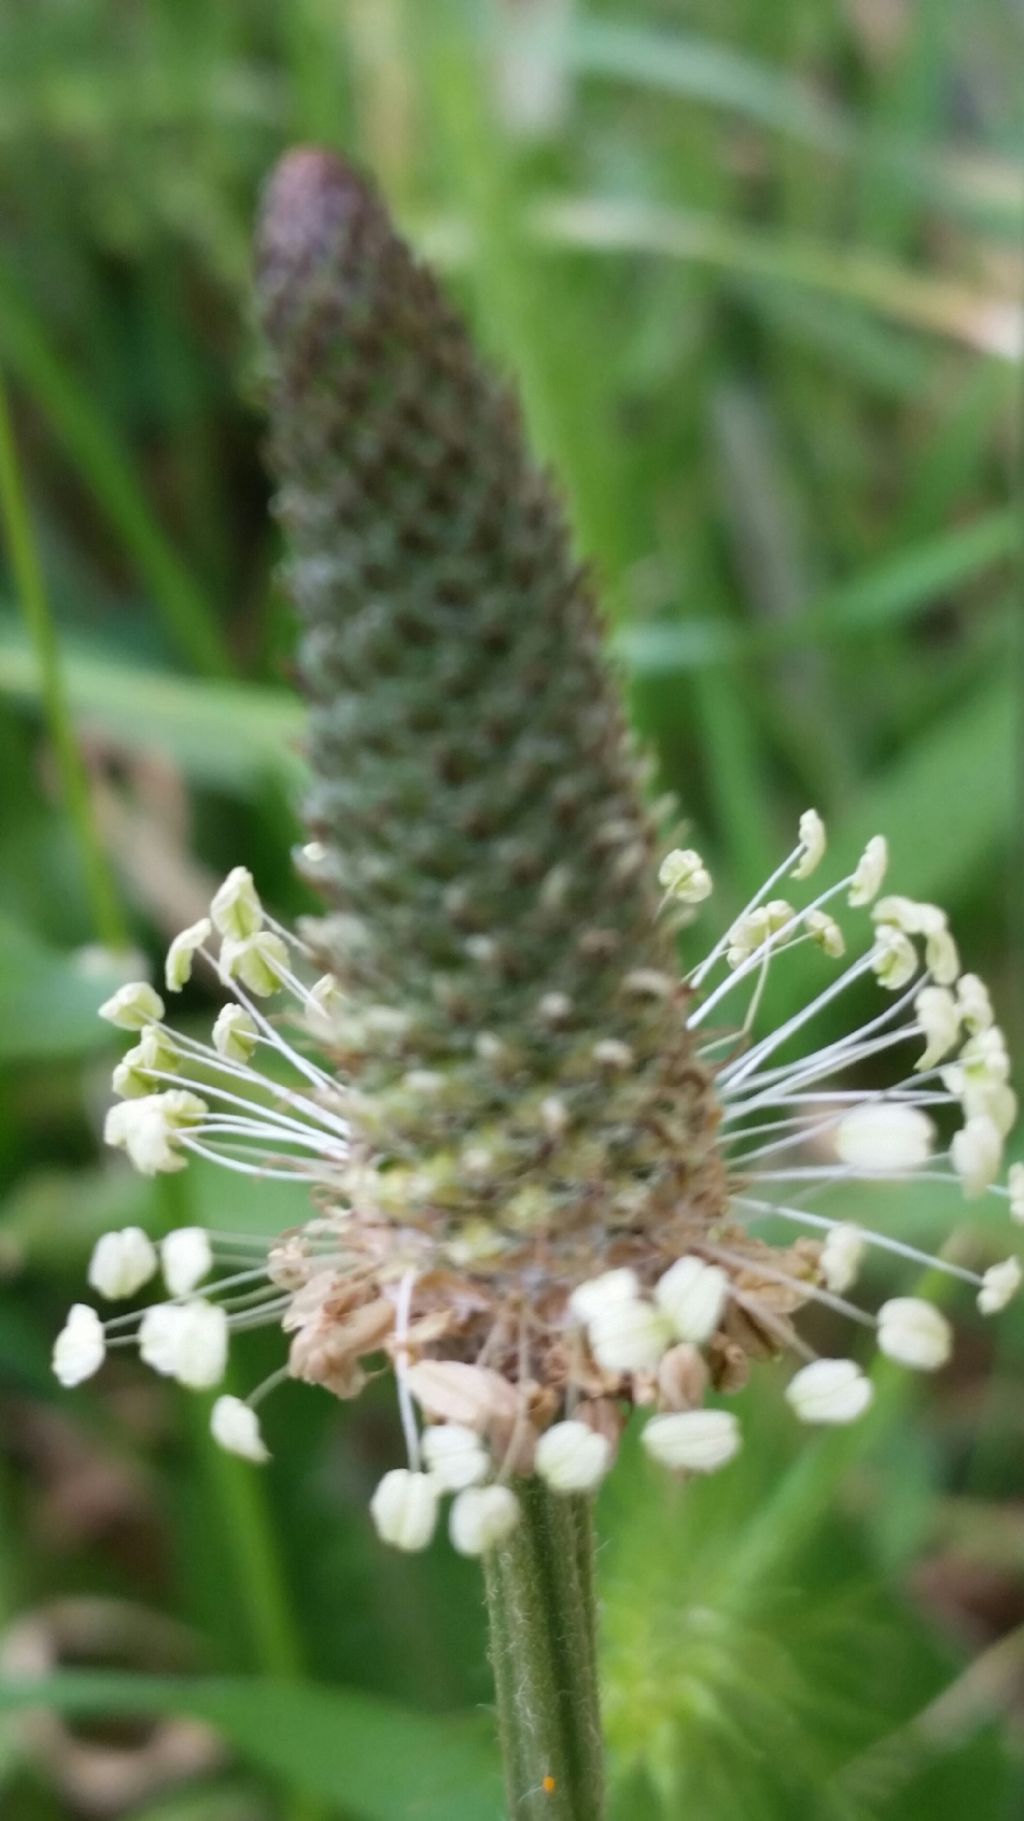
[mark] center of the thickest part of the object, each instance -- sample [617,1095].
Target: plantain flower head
[538,1172]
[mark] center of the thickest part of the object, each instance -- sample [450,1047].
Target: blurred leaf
[701,69]
[54,1216]
[382,1762]
[946,802]
[224,733]
[219,733]
[915,575]
[50,999]
[704,70]
[928,302]
[210,1803]
[111,476]
[25,1358]
[896,589]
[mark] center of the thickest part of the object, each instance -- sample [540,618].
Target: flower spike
[538,1176]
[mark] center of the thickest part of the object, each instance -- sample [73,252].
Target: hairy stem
[540,1605]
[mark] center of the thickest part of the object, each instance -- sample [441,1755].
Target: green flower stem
[540,1605]
[31,590]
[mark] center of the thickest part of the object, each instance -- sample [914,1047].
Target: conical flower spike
[481,833]
[533,1166]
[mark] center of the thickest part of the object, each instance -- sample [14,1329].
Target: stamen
[213,1060]
[266,1386]
[835,1048]
[293,939]
[259,1318]
[800,1074]
[903,1093]
[255,1128]
[787,1337]
[260,1172]
[562,1305]
[236,990]
[699,974]
[839,1173]
[775,944]
[210,1293]
[769,1044]
[762,1210]
[302,993]
[410,1428]
[211,1092]
[755,997]
[253,1300]
[807,1290]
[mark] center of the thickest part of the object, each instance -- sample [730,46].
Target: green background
[758,271]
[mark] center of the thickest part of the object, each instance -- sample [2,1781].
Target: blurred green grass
[758,274]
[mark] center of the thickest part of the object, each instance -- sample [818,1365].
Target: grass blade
[382,1762]
[35,606]
[109,476]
